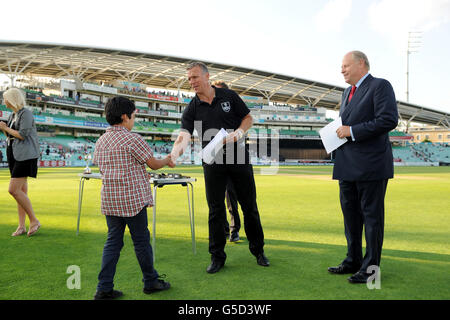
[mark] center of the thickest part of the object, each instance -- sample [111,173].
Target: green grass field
[304,234]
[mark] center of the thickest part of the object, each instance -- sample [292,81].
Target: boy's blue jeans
[138,226]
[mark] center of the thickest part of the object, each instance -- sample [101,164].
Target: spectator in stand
[22,153]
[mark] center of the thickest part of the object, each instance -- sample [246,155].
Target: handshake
[169,162]
[156,164]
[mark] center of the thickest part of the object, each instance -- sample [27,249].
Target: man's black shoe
[262,260]
[359,277]
[102,295]
[342,269]
[215,266]
[159,285]
[234,237]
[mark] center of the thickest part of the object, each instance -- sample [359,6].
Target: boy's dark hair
[116,107]
[220,84]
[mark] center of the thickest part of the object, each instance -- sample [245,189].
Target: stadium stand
[407,154]
[73,150]
[433,152]
[2,148]
[69,111]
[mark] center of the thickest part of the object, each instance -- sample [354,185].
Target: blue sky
[306,39]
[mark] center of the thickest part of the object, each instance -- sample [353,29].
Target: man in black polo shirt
[210,110]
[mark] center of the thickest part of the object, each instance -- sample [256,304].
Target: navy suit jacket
[371,113]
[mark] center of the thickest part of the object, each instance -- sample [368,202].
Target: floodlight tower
[414,43]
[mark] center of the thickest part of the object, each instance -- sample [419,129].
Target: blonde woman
[22,152]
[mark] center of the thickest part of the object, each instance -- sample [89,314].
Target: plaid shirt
[121,157]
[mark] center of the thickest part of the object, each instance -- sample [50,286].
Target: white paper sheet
[329,136]
[210,151]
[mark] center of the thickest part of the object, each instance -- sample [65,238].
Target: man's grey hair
[198,64]
[358,55]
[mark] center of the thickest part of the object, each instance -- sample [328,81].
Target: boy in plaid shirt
[122,157]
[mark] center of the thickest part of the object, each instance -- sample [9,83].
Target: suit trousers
[241,175]
[362,204]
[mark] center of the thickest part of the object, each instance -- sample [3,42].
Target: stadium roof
[161,71]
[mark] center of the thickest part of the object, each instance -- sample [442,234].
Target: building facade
[433,134]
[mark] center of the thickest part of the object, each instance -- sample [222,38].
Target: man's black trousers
[232,207]
[241,175]
[362,204]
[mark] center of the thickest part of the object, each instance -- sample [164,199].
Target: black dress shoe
[215,266]
[108,295]
[342,269]
[262,260]
[359,277]
[234,237]
[160,285]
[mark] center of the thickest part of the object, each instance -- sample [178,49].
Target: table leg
[80,200]
[155,187]
[191,215]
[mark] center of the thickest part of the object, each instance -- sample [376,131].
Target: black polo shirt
[226,111]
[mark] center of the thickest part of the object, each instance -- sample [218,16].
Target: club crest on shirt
[226,106]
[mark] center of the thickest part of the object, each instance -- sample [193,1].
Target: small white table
[157,183]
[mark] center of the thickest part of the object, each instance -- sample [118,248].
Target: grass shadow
[36,268]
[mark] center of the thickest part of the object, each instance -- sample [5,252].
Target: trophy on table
[87,158]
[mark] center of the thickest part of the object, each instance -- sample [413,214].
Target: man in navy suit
[364,163]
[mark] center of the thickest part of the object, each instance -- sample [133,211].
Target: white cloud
[396,18]
[333,15]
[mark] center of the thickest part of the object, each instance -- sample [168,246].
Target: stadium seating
[433,152]
[2,146]
[422,152]
[74,149]
[406,154]
[65,148]
[95,119]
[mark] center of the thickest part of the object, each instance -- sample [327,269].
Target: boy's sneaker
[159,285]
[109,295]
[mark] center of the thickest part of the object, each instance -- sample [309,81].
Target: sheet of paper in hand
[329,136]
[214,146]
